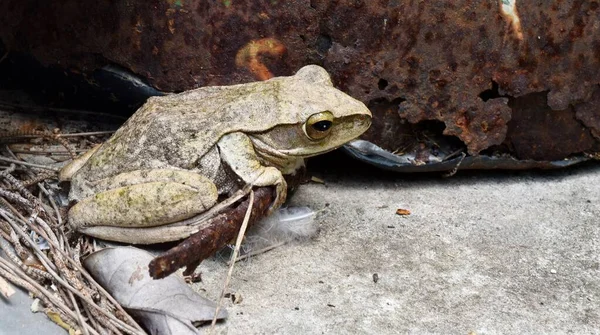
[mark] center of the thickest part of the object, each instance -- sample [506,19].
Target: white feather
[285,225]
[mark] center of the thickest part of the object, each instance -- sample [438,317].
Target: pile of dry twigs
[39,253]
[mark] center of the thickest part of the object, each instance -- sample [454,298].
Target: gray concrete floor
[484,252]
[16,317]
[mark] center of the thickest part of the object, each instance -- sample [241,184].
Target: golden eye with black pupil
[318,125]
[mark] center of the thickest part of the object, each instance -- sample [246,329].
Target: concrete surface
[481,253]
[16,317]
[485,252]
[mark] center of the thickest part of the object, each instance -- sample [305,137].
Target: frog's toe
[280,197]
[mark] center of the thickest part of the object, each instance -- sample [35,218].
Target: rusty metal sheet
[463,64]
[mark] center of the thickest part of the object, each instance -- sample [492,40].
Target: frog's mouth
[274,154]
[287,141]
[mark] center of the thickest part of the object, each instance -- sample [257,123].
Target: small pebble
[552,271]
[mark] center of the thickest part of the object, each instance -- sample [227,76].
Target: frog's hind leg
[139,201]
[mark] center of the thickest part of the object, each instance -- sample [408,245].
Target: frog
[178,154]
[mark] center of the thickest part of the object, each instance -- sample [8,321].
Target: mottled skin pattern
[177,153]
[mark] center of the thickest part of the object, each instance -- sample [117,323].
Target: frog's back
[175,131]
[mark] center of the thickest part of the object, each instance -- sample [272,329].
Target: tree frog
[178,153]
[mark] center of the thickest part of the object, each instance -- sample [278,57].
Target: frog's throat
[287,164]
[268,152]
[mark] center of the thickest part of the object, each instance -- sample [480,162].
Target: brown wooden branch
[206,242]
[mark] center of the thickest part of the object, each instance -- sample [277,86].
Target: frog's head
[315,117]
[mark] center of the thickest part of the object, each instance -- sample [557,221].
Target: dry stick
[65,297]
[10,153]
[5,288]
[14,197]
[50,237]
[24,236]
[41,256]
[52,202]
[127,316]
[238,243]
[56,152]
[453,171]
[7,266]
[37,274]
[5,227]
[78,312]
[105,322]
[38,291]
[38,178]
[210,238]
[90,133]
[8,170]
[20,282]
[19,249]
[46,262]
[17,185]
[91,317]
[81,270]
[23,220]
[15,161]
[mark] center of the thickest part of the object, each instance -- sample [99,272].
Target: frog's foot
[67,172]
[142,199]
[237,151]
[271,176]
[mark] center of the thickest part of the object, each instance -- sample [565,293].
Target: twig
[51,268]
[5,289]
[90,133]
[78,313]
[46,262]
[238,243]
[210,238]
[33,272]
[17,184]
[9,267]
[14,197]
[38,178]
[453,171]
[42,256]
[46,152]
[52,202]
[37,166]
[91,317]
[53,136]
[20,282]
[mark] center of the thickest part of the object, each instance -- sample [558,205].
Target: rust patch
[437,55]
[537,132]
[589,113]
[249,56]
[387,125]
[480,125]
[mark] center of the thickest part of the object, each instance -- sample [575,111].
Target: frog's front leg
[135,206]
[238,153]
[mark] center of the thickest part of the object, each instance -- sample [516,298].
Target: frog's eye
[318,125]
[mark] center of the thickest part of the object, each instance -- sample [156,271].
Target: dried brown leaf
[164,306]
